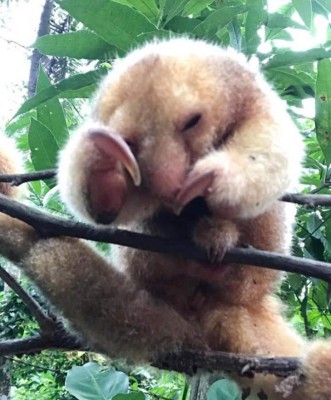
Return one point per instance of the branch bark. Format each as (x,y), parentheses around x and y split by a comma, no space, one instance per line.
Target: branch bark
(186,361)
(48,225)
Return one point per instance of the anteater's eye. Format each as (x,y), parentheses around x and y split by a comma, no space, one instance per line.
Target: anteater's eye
(191,122)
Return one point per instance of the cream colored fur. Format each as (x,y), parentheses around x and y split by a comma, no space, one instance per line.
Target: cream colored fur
(149,303)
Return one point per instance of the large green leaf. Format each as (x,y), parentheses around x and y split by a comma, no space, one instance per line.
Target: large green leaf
(43,146)
(297,57)
(75,84)
(256,17)
(146,7)
(277,20)
(217,20)
(51,113)
(182,24)
(323,107)
(171,8)
(80,44)
(115,23)
(95,382)
(287,77)
(326,4)
(304,9)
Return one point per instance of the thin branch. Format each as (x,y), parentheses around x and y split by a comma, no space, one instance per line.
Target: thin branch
(48,225)
(45,322)
(308,200)
(18,179)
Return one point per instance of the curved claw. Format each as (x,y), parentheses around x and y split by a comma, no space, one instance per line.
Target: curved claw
(195,186)
(113,145)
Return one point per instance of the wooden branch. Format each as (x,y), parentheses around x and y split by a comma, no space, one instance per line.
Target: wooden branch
(187,361)
(18,179)
(48,225)
(45,322)
(308,200)
(190,361)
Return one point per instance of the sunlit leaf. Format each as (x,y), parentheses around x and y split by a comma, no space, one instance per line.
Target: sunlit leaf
(75,84)
(217,20)
(79,44)
(304,9)
(147,7)
(288,57)
(43,146)
(256,17)
(115,23)
(95,382)
(51,113)
(195,6)
(323,107)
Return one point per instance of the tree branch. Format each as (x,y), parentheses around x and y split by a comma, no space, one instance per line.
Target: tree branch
(308,200)
(48,225)
(45,322)
(18,179)
(187,361)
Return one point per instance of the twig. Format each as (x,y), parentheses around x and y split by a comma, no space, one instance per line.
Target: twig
(46,323)
(18,179)
(49,225)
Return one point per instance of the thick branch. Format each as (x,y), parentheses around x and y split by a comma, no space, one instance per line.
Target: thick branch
(49,225)
(35,344)
(184,361)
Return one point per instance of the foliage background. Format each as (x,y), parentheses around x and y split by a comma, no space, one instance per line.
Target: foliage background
(96,33)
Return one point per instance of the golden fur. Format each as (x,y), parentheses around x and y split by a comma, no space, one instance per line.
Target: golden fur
(201,122)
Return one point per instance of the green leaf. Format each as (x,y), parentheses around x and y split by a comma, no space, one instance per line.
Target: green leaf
(326,4)
(323,107)
(195,6)
(95,382)
(130,396)
(291,81)
(277,20)
(146,7)
(256,17)
(171,8)
(304,9)
(51,113)
(80,44)
(75,84)
(217,20)
(115,23)
(224,389)
(297,57)
(43,146)
(182,24)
